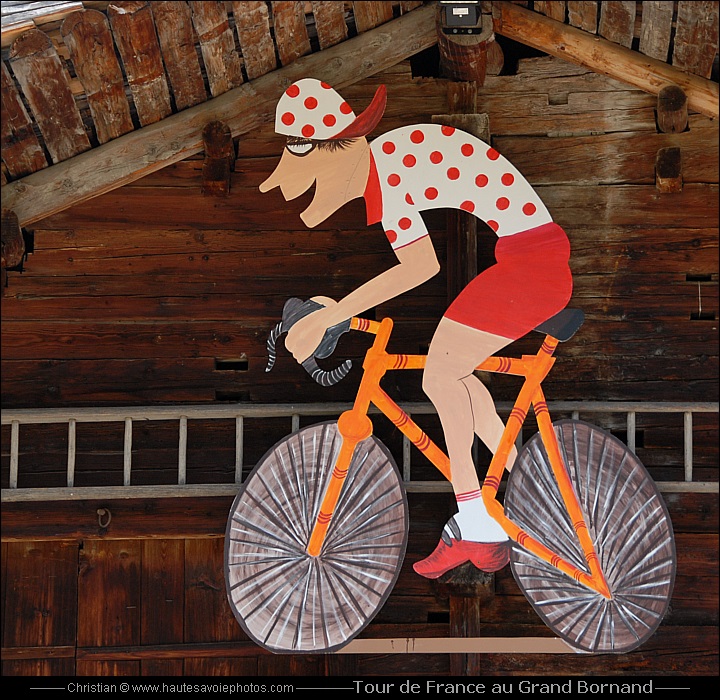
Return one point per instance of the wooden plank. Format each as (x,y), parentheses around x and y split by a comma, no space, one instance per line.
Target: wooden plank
(620,158)
(369,15)
(584,114)
(656,27)
(553,9)
(136,40)
(330,23)
(109,601)
(583,15)
(88,38)
(44,82)
(252,23)
(602,56)
(179,518)
(21,150)
(617,22)
(162,600)
(150,518)
(173,22)
(696,37)
(291,35)
(127,159)
(222,63)
(41,598)
(208,617)
(625,205)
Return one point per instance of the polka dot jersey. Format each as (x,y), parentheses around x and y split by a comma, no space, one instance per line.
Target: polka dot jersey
(429,166)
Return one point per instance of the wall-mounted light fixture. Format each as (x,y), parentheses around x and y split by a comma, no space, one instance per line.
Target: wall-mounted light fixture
(460,17)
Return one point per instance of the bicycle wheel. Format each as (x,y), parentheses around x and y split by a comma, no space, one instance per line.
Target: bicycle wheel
(628,523)
(285,599)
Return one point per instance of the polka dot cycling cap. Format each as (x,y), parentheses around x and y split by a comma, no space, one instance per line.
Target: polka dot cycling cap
(311,109)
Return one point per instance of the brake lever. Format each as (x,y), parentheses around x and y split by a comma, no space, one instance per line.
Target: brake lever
(293,311)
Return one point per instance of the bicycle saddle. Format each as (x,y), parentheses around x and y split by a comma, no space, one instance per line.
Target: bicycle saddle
(293,311)
(563,325)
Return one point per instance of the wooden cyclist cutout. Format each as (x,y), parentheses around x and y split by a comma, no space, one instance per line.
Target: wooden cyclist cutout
(401,174)
(316,536)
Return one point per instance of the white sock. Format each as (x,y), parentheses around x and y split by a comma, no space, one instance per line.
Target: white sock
(475,523)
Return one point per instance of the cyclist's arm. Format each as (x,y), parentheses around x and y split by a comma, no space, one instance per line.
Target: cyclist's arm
(417,263)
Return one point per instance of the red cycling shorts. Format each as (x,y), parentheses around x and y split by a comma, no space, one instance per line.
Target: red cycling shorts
(530,283)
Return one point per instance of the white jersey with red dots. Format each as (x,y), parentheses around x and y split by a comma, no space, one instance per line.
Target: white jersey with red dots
(429,166)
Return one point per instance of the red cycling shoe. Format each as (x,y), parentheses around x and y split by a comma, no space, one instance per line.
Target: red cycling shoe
(452,552)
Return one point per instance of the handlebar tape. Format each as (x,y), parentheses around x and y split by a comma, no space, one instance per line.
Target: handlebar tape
(293,311)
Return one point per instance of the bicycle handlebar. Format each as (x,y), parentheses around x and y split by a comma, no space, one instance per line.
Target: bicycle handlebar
(293,311)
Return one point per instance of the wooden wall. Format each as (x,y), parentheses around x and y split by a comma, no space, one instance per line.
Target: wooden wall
(140,295)
(154,293)
(147,598)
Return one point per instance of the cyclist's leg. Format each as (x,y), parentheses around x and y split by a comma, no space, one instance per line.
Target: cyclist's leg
(463,409)
(489,427)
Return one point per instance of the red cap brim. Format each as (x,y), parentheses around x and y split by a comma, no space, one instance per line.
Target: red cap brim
(369,119)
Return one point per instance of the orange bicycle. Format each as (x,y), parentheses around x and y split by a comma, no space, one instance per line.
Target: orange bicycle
(317,534)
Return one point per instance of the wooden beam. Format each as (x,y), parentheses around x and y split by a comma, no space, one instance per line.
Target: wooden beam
(602,56)
(219,159)
(464,56)
(672,116)
(244,108)
(12,244)
(668,170)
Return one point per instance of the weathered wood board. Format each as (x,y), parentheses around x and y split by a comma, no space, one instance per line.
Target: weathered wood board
(137,42)
(173,22)
(89,40)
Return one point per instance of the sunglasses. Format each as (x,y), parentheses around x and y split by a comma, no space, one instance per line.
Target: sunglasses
(300,147)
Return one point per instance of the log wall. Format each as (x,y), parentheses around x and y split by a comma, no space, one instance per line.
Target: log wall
(145,294)
(148,598)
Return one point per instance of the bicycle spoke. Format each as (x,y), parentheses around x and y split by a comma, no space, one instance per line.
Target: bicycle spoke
(285,599)
(629,527)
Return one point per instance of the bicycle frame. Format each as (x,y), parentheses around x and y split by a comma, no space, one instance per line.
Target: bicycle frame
(354,425)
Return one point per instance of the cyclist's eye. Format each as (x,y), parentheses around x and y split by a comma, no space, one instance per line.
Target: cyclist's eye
(300,148)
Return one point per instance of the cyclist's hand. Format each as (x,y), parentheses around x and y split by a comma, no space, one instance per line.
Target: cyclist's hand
(307,333)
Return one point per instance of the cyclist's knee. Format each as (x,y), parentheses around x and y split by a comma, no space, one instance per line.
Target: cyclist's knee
(437,384)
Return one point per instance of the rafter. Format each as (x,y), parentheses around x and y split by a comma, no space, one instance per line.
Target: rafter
(602,56)
(134,155)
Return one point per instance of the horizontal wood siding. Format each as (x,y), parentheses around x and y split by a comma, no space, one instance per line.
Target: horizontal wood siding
(157,605)
(139,295)
(145,288)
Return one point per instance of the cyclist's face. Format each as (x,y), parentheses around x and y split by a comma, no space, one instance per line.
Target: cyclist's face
(331,170)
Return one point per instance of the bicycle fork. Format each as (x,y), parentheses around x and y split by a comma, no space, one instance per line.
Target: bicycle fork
(354,426)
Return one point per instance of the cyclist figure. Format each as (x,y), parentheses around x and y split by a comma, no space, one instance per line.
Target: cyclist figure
(402,173)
